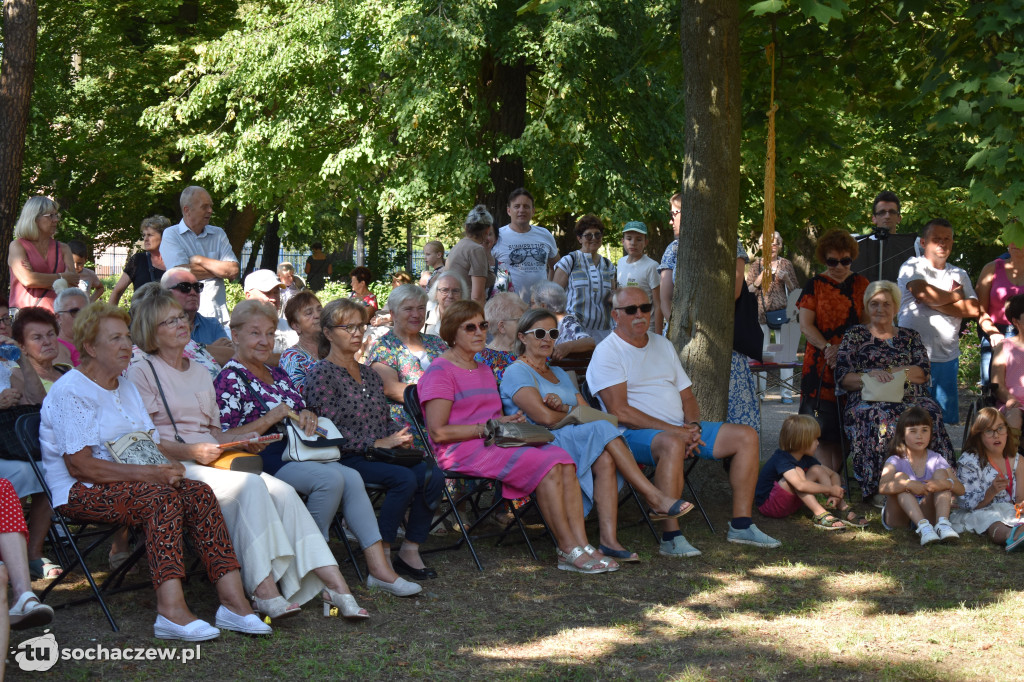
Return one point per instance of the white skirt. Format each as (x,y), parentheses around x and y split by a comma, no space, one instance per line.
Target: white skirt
(271,530)
(979,520)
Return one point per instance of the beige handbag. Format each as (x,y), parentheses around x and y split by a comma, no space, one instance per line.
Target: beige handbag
(875,391)
(136,447)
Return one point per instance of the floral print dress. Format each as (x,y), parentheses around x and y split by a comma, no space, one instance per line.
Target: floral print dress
(870,426)
(391,351)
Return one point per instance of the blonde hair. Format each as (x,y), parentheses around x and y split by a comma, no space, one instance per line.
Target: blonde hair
(146,314)
(87,323)
(26,227)
(250,308)
(888,287)
(798,433)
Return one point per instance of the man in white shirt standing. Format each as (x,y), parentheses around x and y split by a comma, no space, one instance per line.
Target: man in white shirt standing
(528,251)
(203,249)
(936,296)
(639,379)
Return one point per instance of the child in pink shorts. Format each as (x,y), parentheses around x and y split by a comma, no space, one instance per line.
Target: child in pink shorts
(792,477)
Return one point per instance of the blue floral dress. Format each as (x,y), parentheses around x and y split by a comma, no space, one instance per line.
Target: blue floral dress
(744,406)
(870,426)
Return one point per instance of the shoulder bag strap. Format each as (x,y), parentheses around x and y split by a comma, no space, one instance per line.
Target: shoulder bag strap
(252,390)
(167,408)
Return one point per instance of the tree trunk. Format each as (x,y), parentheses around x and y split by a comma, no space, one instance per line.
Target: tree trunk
(271,244)
(360,253)
(502,90)
(16,74)
(702,311)
(239,226)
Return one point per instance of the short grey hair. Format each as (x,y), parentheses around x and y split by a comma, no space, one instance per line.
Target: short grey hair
(504,306)
(403,293)
(157,223)
(618,293)
(70,292)
(549,296)
(26,227)
(187,194)
(463,285)
(285,266)
(478,220)
(169,275)
(888,287)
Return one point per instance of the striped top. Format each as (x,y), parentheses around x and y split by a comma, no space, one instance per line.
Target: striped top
(587,287)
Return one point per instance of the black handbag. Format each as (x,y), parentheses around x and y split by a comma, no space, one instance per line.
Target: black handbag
(403,457)
(9,449)
(747,336)
(776,318)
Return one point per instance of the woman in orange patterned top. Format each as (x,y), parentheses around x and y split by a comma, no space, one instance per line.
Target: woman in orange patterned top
(831,303)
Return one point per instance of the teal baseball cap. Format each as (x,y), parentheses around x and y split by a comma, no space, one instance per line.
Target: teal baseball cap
(634,226)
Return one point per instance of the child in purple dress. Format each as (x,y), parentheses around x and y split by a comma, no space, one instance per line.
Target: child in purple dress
(919,484)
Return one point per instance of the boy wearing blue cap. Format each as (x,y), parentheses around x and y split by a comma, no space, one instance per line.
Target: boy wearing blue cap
(637,269)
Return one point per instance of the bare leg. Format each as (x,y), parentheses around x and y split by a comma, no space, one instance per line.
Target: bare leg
(410,554)
(5,624)
(574,503)
(626,465)
(998,532)
(377,563)
(829,454)
(669,453)
(232,594)
(170,602)
(606,500)
(941,501)
(15,557)
(809,500)
(551,499)
(908,503)
(267,589)
(741,443)
(332,578)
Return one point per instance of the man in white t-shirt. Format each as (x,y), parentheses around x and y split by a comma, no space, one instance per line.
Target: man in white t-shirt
(637,269)
(639,379)
(528,251)
(936,296)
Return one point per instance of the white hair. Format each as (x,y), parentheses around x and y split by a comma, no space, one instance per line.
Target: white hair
(169,275)
(65,294)
(549,296)
(463,285)
(618,294)
(187,194)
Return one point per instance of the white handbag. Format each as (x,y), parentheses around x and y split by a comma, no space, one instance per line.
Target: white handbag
(315,448)
(875,391)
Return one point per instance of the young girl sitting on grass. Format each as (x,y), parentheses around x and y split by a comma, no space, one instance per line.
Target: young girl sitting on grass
(918,483)
(792,477)
(990,469)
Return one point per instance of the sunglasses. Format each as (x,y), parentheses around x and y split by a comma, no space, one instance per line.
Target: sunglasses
(539,333)
(631,309)
(185,287)
(833,262)
(471,328)
(592,236)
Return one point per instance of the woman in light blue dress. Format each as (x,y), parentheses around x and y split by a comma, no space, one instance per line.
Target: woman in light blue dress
(545,394)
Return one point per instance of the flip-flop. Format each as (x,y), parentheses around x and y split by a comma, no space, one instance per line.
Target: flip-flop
(621,555)
(1015,539)
(678,509)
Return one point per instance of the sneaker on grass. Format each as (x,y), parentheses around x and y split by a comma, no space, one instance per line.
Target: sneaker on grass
(751,536)
(678,547)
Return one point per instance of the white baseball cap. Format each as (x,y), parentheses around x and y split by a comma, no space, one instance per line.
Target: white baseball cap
(262,280)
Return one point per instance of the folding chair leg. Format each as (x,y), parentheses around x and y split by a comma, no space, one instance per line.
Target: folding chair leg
(700,507)
(643,512)
(340,531)
(79,560)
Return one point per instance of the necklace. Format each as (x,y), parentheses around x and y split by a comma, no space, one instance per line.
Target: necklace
(541,369)
(456,359)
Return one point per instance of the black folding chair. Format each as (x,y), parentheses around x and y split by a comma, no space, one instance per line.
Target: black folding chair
(479,487)
(64,543)
(376,492)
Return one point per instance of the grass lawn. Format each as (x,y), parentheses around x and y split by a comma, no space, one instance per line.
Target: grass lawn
(858,605)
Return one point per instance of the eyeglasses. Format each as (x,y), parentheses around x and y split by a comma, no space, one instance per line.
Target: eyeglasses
(185,287)
(998,431)
(833,262)
(6,319)
(444,291)
(471,327)
(50,216)
(674,212)
(174,321)
(631,309)
(352,329)
(887,211)
(70,311)
(592,236)
(539,333)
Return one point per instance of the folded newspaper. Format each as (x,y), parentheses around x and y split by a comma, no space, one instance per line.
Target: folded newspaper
(584,414)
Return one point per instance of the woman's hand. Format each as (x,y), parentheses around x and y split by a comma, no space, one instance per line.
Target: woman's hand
(278,414)
(307,422)
(516,418)
(402,439)
(9,398)
(167,474)
(880,375)
(831,353)
(204,453)
(252,446)
(553,402)
(999,485)
(934,486)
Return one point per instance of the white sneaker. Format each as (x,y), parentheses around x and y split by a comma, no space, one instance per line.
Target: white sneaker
(927,533)
(945,530)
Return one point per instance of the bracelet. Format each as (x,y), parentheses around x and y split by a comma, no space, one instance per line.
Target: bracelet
(480,431)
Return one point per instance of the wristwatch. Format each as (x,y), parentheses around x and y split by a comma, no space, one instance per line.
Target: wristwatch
(696,425)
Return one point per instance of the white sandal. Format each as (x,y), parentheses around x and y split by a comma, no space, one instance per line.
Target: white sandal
(29,612)
(346,605)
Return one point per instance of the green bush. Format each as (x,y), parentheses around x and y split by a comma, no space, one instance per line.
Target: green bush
(970,357)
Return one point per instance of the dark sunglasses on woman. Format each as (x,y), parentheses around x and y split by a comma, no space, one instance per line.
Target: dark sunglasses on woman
(832,262)
(539,333)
